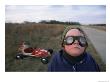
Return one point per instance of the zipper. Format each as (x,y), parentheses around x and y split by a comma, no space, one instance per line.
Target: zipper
(74,66)
(74,69)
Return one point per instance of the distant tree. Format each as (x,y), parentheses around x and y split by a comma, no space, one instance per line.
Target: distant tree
(28,22)
(97,24)
(59,22)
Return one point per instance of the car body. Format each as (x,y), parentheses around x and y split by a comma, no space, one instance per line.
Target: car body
(25,50)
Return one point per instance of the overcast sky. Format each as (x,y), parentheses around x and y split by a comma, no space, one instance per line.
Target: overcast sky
(85,14)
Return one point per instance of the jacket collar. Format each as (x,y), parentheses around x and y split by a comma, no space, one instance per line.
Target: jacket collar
(73,60)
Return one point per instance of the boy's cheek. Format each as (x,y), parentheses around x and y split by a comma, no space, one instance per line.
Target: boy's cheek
(72,50)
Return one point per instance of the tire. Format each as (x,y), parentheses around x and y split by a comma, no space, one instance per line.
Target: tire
(19,56)
(44,60)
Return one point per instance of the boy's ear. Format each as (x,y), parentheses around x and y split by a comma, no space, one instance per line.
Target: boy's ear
(62,45)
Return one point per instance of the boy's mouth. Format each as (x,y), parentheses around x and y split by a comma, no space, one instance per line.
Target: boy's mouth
(77,47)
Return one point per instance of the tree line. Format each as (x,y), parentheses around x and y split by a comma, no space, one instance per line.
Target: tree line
(59,22)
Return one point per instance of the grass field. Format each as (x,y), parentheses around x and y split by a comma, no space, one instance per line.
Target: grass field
(103,28)
(39,35)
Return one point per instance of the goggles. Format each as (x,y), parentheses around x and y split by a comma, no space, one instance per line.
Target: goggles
(69,40)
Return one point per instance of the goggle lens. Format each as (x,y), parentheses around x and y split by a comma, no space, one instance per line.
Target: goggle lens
(71,39)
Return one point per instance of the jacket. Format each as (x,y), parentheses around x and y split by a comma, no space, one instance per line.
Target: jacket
(58,63)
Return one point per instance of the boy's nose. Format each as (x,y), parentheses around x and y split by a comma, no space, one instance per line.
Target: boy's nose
(76,42)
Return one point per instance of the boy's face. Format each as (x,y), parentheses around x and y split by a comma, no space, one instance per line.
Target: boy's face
(74,49)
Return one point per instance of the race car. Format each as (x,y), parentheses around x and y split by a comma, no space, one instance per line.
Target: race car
(25,50)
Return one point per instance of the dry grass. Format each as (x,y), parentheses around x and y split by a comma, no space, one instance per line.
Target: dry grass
(39,35)
(102,28)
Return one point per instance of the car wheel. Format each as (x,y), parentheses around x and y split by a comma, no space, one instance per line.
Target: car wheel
(44,60)
(19,56)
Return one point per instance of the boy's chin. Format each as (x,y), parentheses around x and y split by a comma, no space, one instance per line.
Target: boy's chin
(75,54)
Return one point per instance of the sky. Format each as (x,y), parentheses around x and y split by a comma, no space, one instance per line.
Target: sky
(85,14)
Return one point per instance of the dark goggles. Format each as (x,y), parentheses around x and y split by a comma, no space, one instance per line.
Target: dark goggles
(69,40)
